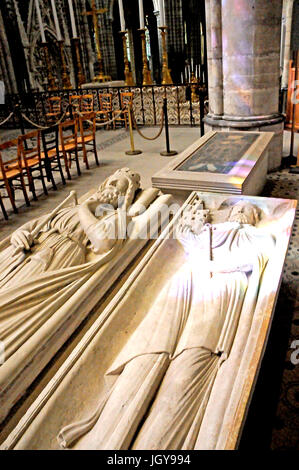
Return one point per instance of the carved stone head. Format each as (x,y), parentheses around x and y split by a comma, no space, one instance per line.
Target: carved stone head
(119,189)
(245,213)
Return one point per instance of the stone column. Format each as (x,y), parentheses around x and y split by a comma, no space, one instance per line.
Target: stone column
(287,42)
(243,63)
(214,59)
(6,62)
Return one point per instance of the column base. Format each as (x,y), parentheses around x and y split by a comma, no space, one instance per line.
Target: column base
(272,123)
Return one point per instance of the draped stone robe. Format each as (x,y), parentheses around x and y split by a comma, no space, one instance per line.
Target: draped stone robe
(33,285)
(175,352)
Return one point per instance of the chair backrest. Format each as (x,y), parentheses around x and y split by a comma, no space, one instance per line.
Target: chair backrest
(75,102)
(68,131)
(87,103)
(87,124)
(105,101)
(55,104)
(50,139)
(32,149)
(6,160)
(126,98)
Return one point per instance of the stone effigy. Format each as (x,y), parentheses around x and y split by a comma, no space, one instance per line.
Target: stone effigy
(194,318)
(51,262)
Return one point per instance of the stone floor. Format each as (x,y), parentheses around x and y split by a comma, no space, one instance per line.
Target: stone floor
(272,421)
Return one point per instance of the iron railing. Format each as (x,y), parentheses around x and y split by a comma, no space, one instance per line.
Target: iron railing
(147,104)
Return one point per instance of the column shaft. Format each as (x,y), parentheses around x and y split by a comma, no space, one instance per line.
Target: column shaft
(243,39)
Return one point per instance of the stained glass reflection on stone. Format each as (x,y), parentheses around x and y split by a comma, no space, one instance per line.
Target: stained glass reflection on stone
(220,153)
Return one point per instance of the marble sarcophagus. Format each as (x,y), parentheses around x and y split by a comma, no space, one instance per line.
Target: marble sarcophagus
(172,361)
(54,270)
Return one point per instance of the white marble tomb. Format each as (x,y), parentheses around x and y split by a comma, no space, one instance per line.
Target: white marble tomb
(54,270)
(186,333)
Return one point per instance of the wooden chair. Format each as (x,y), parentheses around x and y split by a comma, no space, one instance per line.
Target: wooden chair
(75,103)
(11,173)
(289,107)
(54,109)
(29,150)
(87,102)
(105,104)
(52,153)
(68,134)
(87,127)
(126,98)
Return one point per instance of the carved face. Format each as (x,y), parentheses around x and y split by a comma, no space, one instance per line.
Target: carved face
(114,189)
(244,213)
(122,185)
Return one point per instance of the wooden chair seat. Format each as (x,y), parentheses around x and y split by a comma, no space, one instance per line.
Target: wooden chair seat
(30,162)
(105,113)
(86,104)
(84,113)
(105,108)
(104,116)
(68,147)
(10,173)
(87,138)
(51,154)
(68,131)
(87,126)
(125,111)
(126,99)
(54,104)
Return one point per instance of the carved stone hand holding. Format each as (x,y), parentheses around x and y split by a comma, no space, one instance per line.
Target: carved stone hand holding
(22,239)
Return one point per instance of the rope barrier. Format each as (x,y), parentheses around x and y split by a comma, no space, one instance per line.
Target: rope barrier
(105,123)
(7,119)
(44,127)
(62,118)
(102,123)
(144,136)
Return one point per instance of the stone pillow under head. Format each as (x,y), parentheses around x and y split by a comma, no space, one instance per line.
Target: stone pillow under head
(143,200)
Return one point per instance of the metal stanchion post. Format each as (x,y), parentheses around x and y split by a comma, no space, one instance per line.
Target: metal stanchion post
(21,122)
(168,152)
(132,151)
(201,111)
(292,160)
(20,119)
